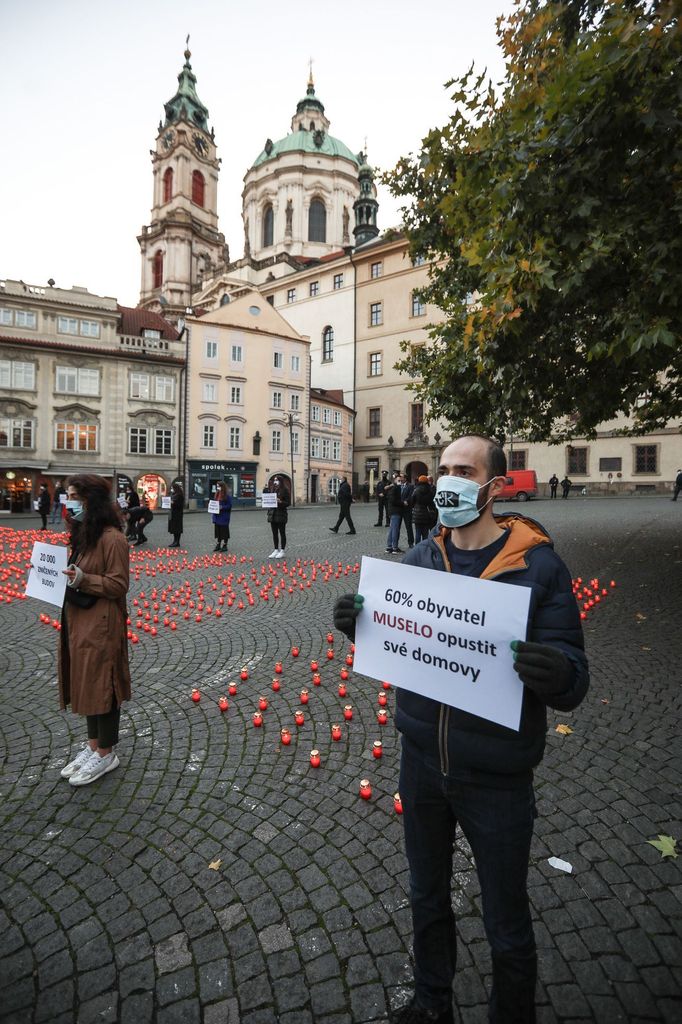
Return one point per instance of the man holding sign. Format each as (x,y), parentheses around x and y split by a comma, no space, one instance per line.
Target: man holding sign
(466,768)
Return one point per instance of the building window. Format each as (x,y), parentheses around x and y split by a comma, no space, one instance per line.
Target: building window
(198,188)
(147,332)
(235,395)
(291,295)
(518,459)
(314,447)
(376,269)
(211,349)
(209,391)
(164,389)
(235,437)
(333,486)
(25,318)
(326,415)
(71,380)
(337,418)
(338,282)
(6,317)
(327,344)
(208,436)
(76,437)
(315,413)
(14,373)
(418,307)
(16,433)
(610,465)
(314,288)
(67,325)
(375,361)
(137,440)
(374,423)
(375,314)
(236,354)
(295,442)
(268,225)
(139,385)
(326,448)
(168,185)
(89,328)
(295,403)
(295,364)
(157,269)
(278,360)
(317,222)
(646,458)
(163,442)
(336,451)
(416,417)
(577,461)
(276,441)
(276,399)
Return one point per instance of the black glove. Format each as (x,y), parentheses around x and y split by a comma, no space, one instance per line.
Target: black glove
(544,670)
(346,611)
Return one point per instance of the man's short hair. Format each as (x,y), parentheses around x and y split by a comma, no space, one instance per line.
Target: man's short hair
(496,459)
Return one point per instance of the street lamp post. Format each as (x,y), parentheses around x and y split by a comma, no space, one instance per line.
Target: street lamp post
(290,421)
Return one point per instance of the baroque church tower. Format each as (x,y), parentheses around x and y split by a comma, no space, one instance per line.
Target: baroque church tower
(182,244)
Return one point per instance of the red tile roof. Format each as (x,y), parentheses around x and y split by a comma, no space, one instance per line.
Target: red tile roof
(134,320)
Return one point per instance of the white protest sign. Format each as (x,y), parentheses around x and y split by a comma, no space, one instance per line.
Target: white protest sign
(270,500)
(214,507)
(444,636)
(63,499)
(166,502)
(122,501)
(46,579)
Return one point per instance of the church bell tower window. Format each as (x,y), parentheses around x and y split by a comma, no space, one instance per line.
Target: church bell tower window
(317,222)
(157,269)
(198,188)
(268,226)
(168,185)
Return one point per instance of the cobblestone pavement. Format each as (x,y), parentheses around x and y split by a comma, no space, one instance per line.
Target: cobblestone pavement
(111,911)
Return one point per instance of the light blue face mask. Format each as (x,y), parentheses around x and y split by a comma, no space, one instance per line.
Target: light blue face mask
(456,500)
(75,508)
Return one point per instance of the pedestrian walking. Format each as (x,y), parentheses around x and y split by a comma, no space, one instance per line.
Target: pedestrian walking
(221,519)
(56,502)
(678,484)
(423,509)
(278,517)
(345,500)
(566,485)
(460,769)
(43,505)
(94,676)
(394,511)
(381,498)
(553,484)
(176,514)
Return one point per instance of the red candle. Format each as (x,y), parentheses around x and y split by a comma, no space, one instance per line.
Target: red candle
(257,719)
(344,673)
(262,703)
(278,668)
(382,699)
(349,659)
(317,679)
(365,789)
(304,696)
(386,686)
(376,749)
(295,652)
(244,674)
(276,685)
(314,758)
(285,737)
(232,689)
(342,689)
(348,712)
(330,638)
(222,704)
(330,654)
(314,666)
(299,717)
(336,732)
(397,804)
(382,717)
(196,696)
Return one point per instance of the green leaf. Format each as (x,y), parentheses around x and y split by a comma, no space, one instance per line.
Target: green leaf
(666,845)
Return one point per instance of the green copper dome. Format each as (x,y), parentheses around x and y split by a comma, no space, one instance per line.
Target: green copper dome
(186,105)
(305,142)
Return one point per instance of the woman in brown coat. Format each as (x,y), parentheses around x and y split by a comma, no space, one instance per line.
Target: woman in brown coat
(94,676)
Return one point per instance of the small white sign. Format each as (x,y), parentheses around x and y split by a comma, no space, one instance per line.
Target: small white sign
(270,500)
(122,501)
(46,579)
(62,499)
(36,506)
(444,636)
(166,502)
(214,507)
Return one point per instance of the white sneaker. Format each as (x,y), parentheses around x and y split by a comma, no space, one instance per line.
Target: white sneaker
(274,554)
(280,554)
(94,768)
(78,762)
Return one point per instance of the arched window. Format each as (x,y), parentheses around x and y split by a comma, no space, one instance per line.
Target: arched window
(317,222)
(327,344)
(268,224)
(168,185)
(198,188)
(157,269)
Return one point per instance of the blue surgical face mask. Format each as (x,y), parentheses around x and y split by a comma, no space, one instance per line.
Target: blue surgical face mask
(457,500)
(75,508)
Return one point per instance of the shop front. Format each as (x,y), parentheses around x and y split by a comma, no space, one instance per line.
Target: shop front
(240,478)
(17,487)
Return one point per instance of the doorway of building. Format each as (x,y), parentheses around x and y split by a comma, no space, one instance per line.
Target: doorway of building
(414,470)
(313,490)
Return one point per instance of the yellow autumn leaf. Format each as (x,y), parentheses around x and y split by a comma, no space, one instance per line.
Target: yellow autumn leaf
(564,730)
(215,864)
(525,265)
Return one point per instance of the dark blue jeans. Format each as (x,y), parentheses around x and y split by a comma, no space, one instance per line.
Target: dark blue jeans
(498,824)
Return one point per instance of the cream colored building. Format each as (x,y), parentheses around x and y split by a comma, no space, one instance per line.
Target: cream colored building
(248,401)
(85,386)
(331,443)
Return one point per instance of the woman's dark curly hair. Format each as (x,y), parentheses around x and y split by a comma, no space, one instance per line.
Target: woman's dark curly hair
(100,510)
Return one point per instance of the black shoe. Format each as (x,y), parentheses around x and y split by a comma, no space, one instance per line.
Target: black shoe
(414,1014)
(378,524)
(224,547)
(351,532)
(397,551)
(333,529)
(140,540)
(389,551)
(217,547)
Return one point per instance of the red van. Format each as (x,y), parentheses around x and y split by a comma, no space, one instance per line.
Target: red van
(522,484)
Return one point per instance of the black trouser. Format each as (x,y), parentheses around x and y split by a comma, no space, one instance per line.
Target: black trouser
(279,535)
(104,728)
(552,490)
(344,513)
(381,509)
(222,534)
(421,531)
(43,516)
(407,519)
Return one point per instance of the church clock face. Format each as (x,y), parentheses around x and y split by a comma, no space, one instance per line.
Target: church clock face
(200,144)
(168,140)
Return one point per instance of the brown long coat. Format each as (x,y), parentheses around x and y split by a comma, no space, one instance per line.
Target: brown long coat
(93,651)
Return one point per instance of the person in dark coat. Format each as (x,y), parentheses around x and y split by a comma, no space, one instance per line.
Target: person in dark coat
(141,517)
(345,500)
(132,504)
(423,508)
(553,484)
(221,520)
(406,492)
(462,770)
(56,502)
(678,484)
(381,499)
(394,512)
(44,505)
(175,517)
(278,518)
(566,485)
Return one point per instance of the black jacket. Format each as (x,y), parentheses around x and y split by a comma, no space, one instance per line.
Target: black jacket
(44,502)
(423,508)
(345,495)
(394,501)
(473,748)
(176,515)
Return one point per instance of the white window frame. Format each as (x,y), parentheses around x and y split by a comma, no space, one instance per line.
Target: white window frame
(237,354)
(139,387)
(295,442)
(89,329)
(85,380)
(163,434)
(25,318)
(315,413)
(376,270)
(295,402)
(17,373)
(326,448)
(276,400)
(67,325)
(209,391)
(337,282)
(326,414)
(278,360)
(211,349)
(337,418)
(336,451)
(10,424)
(234,438)
(138,441)
(295,364)
(314,447)
(208,435)
(276,441)
(66,426)
(164,388)
(235,394)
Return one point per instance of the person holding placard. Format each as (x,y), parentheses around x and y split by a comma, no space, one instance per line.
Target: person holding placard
(94,675)
(461,769)
(221,519)
(176,515)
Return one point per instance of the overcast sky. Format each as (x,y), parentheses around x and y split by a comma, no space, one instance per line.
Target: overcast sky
(84,82)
